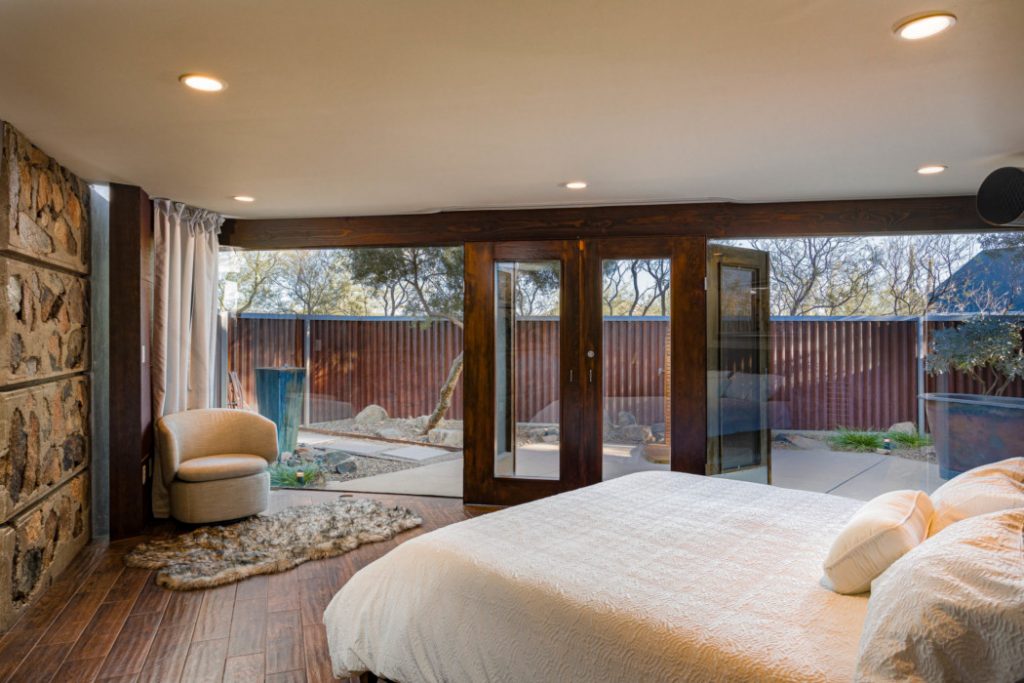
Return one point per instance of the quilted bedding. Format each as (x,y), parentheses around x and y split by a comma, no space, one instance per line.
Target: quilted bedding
(656,576)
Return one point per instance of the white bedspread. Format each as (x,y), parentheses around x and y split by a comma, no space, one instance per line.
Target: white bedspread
(656,576)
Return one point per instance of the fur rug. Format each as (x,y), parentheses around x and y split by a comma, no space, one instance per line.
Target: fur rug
(213,556)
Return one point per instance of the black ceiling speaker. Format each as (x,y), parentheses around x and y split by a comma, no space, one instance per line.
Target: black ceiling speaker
(1001,198)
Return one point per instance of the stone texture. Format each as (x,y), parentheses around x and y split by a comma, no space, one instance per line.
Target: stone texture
(43,326)
(39,544)
(44,440)
(44,208)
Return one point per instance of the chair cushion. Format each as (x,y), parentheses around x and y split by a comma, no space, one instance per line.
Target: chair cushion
(227,466)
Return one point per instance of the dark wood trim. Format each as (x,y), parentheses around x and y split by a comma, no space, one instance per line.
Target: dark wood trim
(131,277)
(689,355)
(718,219)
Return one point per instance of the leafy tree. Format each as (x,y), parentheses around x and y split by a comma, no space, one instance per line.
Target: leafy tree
(316,282)
(976,344)
(254,281)
(431,280)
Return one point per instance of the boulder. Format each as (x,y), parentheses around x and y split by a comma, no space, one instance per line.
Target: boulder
(626,418)
(637,433)
(371,415)
(904,428)
(445,437)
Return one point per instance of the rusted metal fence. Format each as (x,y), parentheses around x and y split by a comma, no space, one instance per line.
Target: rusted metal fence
(861,373)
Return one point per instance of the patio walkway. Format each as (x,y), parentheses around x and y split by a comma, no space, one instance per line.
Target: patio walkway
(854,475)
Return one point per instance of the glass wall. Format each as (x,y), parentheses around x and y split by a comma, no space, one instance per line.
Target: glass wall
(856,366)
(377,334)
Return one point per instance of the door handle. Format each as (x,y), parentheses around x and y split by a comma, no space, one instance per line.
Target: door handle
(590,374)
(570,376)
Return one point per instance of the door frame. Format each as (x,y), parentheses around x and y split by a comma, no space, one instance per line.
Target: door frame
(480,485)
(688,355)
(581,400)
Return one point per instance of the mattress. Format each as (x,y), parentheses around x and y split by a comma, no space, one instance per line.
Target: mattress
(655,576)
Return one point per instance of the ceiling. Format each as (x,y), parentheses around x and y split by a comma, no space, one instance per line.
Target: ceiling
(351,107)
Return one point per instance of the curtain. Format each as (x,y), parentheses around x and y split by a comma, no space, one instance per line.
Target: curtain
(184,317)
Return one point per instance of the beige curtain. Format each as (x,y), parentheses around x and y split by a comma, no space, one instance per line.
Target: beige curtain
(184,317)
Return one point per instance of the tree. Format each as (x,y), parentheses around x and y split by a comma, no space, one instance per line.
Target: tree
(315,282)
(432,280)
(636,286)
(912,266)
(1003,240)
(253,274)
(820,275)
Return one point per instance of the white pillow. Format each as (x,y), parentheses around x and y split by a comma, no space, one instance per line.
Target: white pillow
(951,609)
(984,489)
(879,534)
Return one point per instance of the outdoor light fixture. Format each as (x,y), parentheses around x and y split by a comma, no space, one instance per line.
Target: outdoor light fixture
(931,169)
(202,82)
(924,25)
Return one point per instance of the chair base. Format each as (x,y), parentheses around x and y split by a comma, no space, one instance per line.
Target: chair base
(220,500)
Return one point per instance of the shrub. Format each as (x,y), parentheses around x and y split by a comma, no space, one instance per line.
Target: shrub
(904,440)
(979,343)
(284,476)
(856,440)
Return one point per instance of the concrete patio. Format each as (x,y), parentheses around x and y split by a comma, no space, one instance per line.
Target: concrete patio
(854,475)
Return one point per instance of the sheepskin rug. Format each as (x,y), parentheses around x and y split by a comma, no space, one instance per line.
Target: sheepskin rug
(213,556)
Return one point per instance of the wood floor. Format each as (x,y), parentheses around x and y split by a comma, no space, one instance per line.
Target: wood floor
(102,621)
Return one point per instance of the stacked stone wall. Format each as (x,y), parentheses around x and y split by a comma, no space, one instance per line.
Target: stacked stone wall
(44,357)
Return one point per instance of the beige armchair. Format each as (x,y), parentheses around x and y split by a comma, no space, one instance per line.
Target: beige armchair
(214,463)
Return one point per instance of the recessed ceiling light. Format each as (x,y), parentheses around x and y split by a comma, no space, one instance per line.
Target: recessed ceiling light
(575,185)
(924,25)
(931,169)
(243,198)
(202,82)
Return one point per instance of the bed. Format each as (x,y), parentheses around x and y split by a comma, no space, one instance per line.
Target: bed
(657,576)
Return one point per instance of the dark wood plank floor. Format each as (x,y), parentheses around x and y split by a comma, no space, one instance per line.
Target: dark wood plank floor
(102,621)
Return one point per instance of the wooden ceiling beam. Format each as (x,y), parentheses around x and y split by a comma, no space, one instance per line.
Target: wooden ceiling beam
(724,219)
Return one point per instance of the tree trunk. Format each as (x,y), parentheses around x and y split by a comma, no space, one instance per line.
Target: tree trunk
(444,399)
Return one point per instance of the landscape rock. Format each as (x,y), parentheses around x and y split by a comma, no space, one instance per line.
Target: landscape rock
(371,415)
(445,437)
(636,433)
(904,428)
(626,418)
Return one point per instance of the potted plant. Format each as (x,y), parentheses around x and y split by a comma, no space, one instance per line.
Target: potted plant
(975,429)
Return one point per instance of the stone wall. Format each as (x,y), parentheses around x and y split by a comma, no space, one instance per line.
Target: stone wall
(44,355)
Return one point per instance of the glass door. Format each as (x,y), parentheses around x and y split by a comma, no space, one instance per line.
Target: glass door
(738,379)
(570,347)
(523,371)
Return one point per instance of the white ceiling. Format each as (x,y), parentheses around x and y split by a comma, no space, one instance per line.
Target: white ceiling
(347,107)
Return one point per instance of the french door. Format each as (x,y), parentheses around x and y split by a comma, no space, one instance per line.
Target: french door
(570,349)
(739,385)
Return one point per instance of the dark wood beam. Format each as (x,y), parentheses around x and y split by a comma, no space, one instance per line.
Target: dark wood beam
(785,219)
(131,290)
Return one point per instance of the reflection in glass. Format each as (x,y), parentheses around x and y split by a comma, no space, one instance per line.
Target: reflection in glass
(526,346)
(635,330)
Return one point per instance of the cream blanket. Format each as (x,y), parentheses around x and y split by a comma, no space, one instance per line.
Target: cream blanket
(656,576)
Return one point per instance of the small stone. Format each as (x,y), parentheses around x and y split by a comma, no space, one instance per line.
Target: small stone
(346,466)
(371,414)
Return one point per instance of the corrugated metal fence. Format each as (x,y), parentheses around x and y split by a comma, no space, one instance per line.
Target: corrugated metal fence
(826,372)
